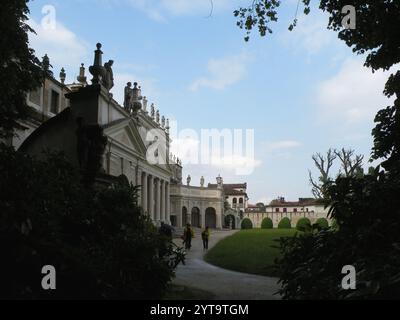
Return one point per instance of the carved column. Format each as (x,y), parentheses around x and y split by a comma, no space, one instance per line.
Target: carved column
(158,200)
(167,203)
(144,193)
(151,198)
(162,200)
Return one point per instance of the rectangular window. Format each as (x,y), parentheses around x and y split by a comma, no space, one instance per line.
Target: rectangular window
(276,209)
(54,102)
(284,210)
(295,210)
(34,96)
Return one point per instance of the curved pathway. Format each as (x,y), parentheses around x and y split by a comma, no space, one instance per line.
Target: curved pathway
(224,284)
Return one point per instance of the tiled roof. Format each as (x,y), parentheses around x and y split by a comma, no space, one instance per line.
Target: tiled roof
(305,202)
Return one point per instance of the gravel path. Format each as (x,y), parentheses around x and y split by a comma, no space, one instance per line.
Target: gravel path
(224,284)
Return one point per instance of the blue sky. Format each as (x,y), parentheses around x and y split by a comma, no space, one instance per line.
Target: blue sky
(301,92)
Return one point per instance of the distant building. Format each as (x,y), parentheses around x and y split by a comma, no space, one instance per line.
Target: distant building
(294,210)
(61,119)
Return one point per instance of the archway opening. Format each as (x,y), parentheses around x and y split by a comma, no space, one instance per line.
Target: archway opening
(211,218)
(196,218)
(184,216)
(230,221)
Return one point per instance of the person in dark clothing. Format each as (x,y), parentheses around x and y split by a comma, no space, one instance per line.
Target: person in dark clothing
(188,234)
(205,235)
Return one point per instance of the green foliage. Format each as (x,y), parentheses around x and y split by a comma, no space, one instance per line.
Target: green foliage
(366,208)
(322,223)
(19,68)
(267,224)
(285,223)
(246,224)
(99,243)
(303,224)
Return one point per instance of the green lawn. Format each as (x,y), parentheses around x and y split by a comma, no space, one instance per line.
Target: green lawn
(248,251)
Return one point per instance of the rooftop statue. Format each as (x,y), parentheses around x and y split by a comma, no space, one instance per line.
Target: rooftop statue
(153,111)
(158,116)
(128,96)
(108,77)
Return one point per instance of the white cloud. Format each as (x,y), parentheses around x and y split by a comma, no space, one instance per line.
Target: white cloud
(222,73)
(282,145)
(310,34)
(353,95)
(160,10)
(64,48)
(243,165)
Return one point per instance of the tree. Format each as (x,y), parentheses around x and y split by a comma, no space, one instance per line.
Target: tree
(376,34)
(323,165)
(364,207)
(19,68)
(350,165)
(97,239)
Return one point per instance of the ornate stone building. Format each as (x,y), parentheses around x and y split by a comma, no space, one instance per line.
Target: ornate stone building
(137,143)
(294,210)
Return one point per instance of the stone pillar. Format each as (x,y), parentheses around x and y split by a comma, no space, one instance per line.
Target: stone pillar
(202,216)
(219,218)
(158,200)
(179,214)
(144,193)
(151,198)
(167,203)
(162,201)
(138,182)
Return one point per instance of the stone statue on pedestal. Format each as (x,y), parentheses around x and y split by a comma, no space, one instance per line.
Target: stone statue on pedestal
(188,180)
(153,111)
(128,96)
(202,182)
(108,77)
(163,122)
(158,116)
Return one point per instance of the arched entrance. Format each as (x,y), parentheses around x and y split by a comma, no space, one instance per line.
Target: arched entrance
(230,221)
(196,217)
(184,216)
(211,218)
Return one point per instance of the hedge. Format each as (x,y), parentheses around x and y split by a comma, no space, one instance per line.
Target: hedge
(285,224)
(267,223)
(323,223)
(302,224)
(247,224)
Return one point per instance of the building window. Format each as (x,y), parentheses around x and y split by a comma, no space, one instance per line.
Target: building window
(54,102)
(241,200)
(284,210)
(276,209)
(295,210)
(34,96)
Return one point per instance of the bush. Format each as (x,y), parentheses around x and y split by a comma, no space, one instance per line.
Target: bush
(267,223)
(96,238)
(285,224)
(322,223)
(303,224)
(246,224)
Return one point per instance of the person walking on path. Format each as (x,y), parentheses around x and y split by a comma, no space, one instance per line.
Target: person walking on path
(188,234)
(205,235)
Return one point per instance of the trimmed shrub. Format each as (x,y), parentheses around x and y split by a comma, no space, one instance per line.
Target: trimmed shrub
(267,223)
(323,223)
(334,225)
(247,224)
(303,224)
(285,224)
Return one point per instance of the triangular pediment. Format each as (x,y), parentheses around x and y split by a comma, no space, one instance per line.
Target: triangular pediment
(126,135)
